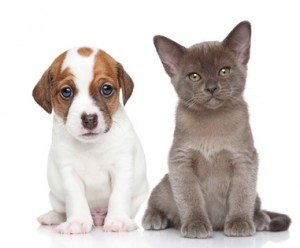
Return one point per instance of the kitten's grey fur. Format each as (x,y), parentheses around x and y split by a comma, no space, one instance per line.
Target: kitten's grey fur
(213,163)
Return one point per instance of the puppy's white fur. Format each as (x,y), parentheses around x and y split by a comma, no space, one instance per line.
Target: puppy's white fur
(93,174)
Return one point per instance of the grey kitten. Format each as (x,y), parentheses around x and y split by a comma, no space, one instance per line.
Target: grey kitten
(213,163)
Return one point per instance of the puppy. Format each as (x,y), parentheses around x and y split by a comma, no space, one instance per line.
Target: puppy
(96,165)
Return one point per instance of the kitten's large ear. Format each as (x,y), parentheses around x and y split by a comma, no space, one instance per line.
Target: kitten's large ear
(170,53)
(239,40)
(41,92)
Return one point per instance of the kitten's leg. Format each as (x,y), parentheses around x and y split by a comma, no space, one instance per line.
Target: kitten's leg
(161,211)
(269,221)
(279,222)
(188,195)
(261,219)
(242,195)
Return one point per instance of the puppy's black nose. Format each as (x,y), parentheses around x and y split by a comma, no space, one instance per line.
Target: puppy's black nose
(89,121)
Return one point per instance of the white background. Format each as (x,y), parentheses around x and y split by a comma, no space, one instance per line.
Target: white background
(33,33)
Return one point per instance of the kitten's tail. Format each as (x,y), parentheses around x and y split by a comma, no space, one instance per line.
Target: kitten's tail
(278,222)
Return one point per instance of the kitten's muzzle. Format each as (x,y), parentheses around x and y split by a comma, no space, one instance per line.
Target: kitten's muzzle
(211,88)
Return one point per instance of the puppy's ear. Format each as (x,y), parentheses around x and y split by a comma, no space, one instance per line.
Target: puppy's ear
(238,41)
(125,83)
(170,53)
(41,92)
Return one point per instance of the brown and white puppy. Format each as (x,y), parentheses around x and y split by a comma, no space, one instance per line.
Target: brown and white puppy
(96,165)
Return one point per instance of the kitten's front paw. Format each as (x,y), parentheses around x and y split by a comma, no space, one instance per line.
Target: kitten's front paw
(75,226)
(197,230)
(153,220)
(119,225)
(239,228)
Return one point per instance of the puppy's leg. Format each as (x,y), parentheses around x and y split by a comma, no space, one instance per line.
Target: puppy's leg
(118,217)
(136,202)
(56,216)
(79,219)
(51,218)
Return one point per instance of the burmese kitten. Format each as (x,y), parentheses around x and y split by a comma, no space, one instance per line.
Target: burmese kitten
(213,163)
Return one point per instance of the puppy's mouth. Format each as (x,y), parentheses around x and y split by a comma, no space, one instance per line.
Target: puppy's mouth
(90,134)
(93,134)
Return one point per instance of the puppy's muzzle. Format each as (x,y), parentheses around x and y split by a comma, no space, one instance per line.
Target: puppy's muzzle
(89,121)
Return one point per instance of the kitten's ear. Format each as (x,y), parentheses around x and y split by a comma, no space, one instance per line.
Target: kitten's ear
(170,53)
(238,41)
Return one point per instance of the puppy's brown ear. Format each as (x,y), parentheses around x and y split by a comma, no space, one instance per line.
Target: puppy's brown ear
(125,83)
(41,92)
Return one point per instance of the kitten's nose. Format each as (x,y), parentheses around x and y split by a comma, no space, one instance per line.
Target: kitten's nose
(211,88)
(89,121)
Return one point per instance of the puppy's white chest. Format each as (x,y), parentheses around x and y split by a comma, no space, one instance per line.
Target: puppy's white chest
(95,175)
(92,173)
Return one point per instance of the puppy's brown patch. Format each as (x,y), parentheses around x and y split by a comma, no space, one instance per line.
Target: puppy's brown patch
(85,51)
(105,72)
(60,104)
(61,79)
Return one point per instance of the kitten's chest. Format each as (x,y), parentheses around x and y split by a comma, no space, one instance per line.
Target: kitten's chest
(211,139)
(211,134)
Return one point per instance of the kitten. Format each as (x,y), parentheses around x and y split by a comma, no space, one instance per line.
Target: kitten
(213,163)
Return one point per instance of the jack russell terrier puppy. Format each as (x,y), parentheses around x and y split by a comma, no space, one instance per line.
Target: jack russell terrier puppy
(96,164)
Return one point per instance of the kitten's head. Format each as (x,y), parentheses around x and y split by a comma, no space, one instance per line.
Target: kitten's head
(209,74)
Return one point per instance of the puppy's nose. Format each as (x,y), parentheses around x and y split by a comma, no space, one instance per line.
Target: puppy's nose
(89,121)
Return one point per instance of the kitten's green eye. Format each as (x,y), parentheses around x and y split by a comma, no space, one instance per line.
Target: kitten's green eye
(224,72)
(194,77)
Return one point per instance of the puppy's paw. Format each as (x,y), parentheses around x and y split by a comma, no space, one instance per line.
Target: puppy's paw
(199,230)
(153,220)
(51,218)
(239,228)
(119,225)
(75,226)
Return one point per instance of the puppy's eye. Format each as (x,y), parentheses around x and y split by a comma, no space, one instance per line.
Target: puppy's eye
(106,90)
(194,77)
(224,72)
(66,93)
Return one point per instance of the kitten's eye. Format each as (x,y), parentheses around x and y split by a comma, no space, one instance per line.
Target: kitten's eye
(106,90)
(66,93)
(194,77)
(224,72)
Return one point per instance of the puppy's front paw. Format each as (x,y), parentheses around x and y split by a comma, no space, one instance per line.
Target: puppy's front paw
(239,228)
(198,230)
(75,226)
(119,225)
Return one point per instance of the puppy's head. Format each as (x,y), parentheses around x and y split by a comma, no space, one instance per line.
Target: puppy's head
(82,87)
